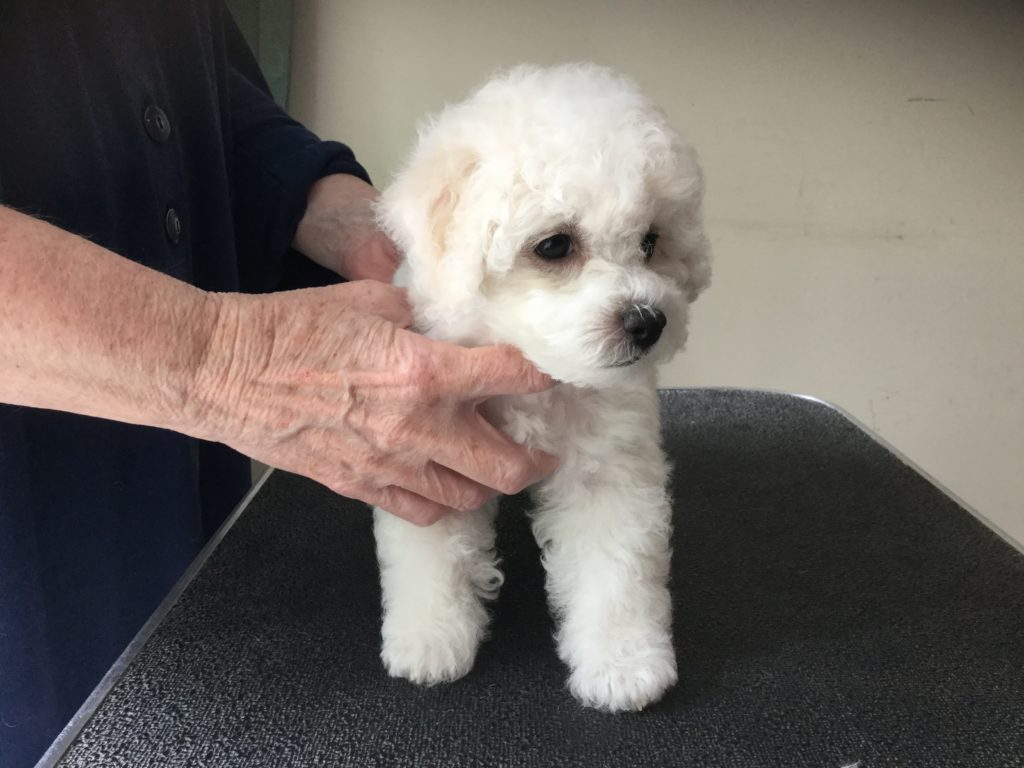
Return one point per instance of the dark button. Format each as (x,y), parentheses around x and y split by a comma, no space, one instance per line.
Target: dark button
(172,225)
(157,125)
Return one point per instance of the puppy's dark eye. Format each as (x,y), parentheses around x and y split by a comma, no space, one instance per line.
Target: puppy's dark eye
(647,246)
(554,248)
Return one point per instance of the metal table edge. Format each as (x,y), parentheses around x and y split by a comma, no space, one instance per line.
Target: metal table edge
(66,737)
(957,499)
(70,732)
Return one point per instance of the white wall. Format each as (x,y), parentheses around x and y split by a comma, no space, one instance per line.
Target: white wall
(865,166)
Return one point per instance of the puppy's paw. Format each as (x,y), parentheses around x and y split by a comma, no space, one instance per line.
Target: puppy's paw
(436,651)
(627,678)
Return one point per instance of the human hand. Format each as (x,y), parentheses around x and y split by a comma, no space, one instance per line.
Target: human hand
(328,383)
(339,230)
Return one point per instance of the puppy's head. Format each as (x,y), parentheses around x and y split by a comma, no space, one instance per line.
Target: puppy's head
(554,210)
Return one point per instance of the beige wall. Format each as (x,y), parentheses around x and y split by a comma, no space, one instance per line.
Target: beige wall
(865,167)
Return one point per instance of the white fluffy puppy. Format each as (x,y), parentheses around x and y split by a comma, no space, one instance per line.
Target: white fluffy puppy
(554,210)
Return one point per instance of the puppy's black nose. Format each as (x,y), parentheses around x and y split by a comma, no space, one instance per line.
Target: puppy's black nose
(644,324)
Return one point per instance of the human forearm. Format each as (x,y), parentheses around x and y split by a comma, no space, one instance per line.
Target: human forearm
(327,382)
(324,382)
(339,231)
(86,331)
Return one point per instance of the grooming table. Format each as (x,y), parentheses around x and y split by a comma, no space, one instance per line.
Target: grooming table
(833,608)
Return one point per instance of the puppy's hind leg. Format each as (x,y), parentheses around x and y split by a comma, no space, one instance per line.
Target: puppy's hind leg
(434,581)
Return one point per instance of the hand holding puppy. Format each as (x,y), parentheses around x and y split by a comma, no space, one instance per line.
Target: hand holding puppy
(328,383)
(325,382)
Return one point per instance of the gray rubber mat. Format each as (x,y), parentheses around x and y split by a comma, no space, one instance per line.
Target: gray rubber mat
(832,608)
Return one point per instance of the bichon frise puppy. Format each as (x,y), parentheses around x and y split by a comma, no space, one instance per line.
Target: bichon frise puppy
(556,211)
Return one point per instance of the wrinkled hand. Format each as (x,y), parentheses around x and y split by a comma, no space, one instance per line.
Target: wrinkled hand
(339,231)
(328,383)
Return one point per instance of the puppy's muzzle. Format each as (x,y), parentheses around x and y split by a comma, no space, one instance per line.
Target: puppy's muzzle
(643,324)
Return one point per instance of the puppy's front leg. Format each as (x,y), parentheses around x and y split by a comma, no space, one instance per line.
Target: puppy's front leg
(434,580)
(606,551)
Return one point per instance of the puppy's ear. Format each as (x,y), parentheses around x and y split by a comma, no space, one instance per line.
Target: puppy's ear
(689,240)
(695,254)
(423,212)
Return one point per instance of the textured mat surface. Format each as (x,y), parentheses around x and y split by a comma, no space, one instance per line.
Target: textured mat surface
(831,607)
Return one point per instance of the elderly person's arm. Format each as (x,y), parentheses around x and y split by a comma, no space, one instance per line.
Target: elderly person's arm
(325,382)
(338,230)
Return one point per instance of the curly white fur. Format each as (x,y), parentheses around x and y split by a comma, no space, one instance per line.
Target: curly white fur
(573,150)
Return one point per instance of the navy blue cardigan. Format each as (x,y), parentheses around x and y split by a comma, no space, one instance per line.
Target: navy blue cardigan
(146,127)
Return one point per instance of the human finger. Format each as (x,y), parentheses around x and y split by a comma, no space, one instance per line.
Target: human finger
(482,453)
(496,370)
(442,485)
(405,504)
(375,259)
(434,482)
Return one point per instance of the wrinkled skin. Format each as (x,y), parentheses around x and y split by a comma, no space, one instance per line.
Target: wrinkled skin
(335,387)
